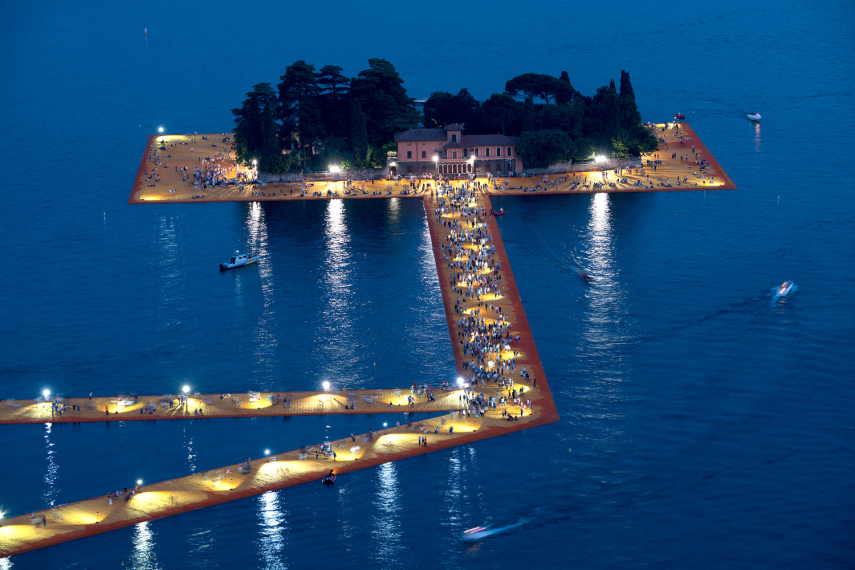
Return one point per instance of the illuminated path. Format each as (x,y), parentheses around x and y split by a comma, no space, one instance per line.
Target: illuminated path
(86,518)
(180,155)
(116,408)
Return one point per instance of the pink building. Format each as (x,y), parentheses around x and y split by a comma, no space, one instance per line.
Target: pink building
(447,151)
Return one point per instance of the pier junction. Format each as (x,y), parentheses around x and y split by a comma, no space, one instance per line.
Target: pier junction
(502,387)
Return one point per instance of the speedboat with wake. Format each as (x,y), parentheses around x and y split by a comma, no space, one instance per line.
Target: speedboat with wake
(754,117)
(785,289)
(237,260)
(476,533)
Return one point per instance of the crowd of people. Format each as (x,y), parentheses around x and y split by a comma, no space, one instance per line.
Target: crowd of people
(475,276)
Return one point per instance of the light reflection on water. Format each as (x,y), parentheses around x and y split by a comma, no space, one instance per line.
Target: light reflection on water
(51,490)
(387,524)
(272,534)
(144,557)
(265,331)
(605,294)
(757,137)
(191,455)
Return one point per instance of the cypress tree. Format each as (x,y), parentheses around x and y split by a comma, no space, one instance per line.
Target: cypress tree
(630,118)
(358,133)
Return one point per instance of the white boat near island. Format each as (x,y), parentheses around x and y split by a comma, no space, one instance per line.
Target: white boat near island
(754,116)
(237,260)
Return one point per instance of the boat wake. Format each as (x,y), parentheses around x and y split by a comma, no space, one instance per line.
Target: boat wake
(482,532)
(571,266)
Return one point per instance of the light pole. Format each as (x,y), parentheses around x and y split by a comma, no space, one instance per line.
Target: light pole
(436,165)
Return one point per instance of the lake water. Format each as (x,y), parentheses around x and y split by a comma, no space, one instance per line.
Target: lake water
(709,426)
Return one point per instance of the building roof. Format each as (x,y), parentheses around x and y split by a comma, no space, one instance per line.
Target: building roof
(453,145)
(421,135)
(487,140)
(453,127)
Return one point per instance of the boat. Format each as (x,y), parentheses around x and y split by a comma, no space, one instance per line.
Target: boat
(497,213)
(784,289)
(329,479)
(680,116)
(237,260)
(754,116)
(476,533)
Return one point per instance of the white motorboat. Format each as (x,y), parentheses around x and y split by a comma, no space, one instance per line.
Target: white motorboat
(754,116)
(237,260)
(784,289)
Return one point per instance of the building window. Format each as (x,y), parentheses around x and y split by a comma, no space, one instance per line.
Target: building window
(424,154)
(498,151)
(409,169)
(424,168)
(453,138)
(409,144)
(424,143)
(409,154)
(476,151)
(454,154)
(487,151)
(509,151)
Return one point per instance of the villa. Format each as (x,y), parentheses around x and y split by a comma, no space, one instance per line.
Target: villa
(447,151)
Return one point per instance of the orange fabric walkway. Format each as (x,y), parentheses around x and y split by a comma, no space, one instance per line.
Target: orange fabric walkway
(101,514)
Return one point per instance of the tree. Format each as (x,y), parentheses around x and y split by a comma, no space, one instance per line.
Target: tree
(540,85)
(605,110)
(528,116)
(443,108)
(256,129)
(333,88)
(436,109)
(629,115)
(565,95)
(358,133)
(500,110)
(543,148)
(384,101)
(299,97)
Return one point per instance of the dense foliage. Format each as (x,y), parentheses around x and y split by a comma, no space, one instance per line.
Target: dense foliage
(315,119)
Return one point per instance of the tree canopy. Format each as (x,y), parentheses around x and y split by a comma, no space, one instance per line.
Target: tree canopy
(356,118)
(256,129)
(299,98)
(541,86)
(384,101)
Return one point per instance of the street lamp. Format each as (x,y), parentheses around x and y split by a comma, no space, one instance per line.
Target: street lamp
(186,389)
(46,393)
(326,385)
(600,158)
(139,481)
(266,452)
(160,129)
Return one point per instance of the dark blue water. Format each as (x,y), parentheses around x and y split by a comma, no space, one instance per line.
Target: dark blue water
(709,426)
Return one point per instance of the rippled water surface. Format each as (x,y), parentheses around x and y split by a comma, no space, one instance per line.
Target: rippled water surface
(710,426)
